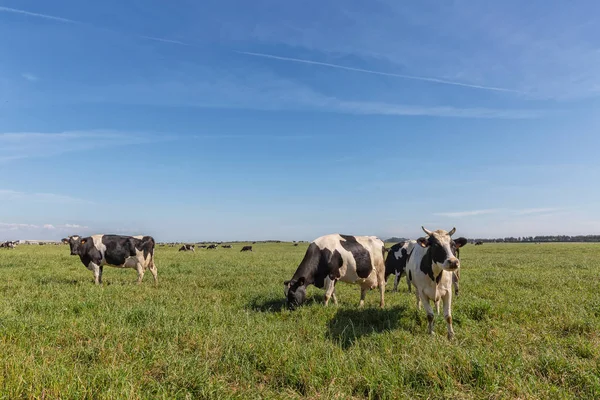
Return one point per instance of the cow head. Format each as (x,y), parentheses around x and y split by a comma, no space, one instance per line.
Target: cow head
(75,243)
(442,249)
(295,292)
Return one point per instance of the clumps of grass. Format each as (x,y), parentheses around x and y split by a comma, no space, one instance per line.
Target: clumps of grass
(479,311)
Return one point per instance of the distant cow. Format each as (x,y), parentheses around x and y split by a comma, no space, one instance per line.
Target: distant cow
(478,243)
(118,251)
(295,244)
(246,248)
(187,247)
(8,245)
(212,246)
(227,246)
(430,269)
(352,259)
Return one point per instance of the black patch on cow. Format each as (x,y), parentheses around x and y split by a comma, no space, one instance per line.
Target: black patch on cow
(426,265)
(439,278)
(436,251)
(118,248)
(409,275)
(88,252)
(360,254)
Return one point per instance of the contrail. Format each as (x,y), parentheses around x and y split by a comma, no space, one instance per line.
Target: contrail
(32,14)
(368,71)
(164,40)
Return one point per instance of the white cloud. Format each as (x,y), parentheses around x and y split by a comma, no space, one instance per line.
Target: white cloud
(49,226)
(29,77)
(460,214)
(528,211)
(18,145)
(13,195)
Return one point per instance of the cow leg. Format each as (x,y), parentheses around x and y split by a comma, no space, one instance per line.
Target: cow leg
(448,313)
(437,306)
(455,278)
(100,274)
(153,270)
(95,268)
(333,296)
(418,300)
(382,294)
(140,271)
(396,281)
(329,289)
(430,316)
(363,293)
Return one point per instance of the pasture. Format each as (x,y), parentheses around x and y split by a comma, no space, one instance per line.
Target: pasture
(527,326)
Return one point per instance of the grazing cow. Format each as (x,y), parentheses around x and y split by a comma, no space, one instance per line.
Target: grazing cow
(227,246)
(212,246)
(352,259)
(118,251)
(430,269)
(296,244)
(202,246)
(478,243)
(8,245)
(187,247)
(246,248)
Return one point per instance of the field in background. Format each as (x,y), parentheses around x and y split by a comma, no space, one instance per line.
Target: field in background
(527,326)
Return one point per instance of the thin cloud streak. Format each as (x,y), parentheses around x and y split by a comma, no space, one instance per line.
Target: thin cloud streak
(71,21)
(460,214)
(157,39)
(38,15)
(368,71)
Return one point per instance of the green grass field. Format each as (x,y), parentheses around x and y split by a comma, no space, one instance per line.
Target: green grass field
(527,326)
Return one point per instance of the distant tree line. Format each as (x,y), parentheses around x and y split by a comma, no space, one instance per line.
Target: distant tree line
(526,239)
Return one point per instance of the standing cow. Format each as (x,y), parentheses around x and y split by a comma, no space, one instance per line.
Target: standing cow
(96,251)
(352,259)
(187,247)
(395,262)
(246,248)
(430,269)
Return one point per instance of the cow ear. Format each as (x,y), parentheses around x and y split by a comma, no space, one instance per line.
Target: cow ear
(83,241)
(301,281)
(286,283)
(423,242)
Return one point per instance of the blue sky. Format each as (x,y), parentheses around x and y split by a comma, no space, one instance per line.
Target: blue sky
(230,120)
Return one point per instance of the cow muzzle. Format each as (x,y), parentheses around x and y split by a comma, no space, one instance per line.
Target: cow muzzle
(453,264)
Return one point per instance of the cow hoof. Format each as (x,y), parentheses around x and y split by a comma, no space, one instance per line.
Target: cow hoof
(450,336)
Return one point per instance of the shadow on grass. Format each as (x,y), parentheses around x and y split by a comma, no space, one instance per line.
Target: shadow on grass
(267,305)
(46,280)
(349,325)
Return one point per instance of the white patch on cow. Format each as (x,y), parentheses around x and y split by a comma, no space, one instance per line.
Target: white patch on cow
(100,246)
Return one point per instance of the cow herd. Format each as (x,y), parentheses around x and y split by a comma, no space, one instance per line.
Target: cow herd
(431,265)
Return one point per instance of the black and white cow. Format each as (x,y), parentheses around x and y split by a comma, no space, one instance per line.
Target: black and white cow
(246,248)
(460,242)
(187,247)
(352,259)
(96,251)
(395,262)
(430,269)
(227,246)
(212,247)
